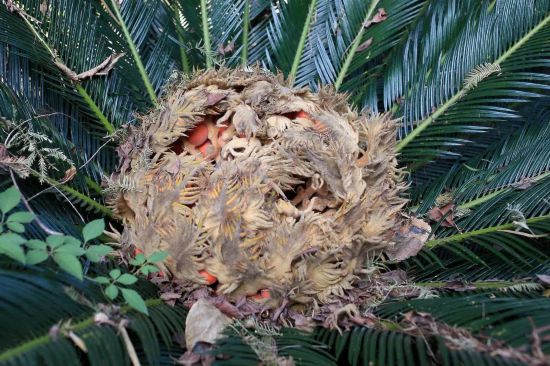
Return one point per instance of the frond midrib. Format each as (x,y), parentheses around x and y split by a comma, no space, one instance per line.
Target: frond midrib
(44,339)
(463,236)
(422,125)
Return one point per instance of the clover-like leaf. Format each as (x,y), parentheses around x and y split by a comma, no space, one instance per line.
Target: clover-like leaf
(111,292)
(16,227)
(36,256)
(69,263)
(9,199)
(55,240)
(72,249)
(96,252)
(11,239)
(102,280)
(22,217)
(36,244)
(93,229)
(13,251)
(134,300)
(148,268)
(72,240)
(127,279)
(157,257)
(115,273)
(138,260)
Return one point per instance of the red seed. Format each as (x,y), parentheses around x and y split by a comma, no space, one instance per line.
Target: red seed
(198,135)
(137,251)
(263,294)
(210,279)
(303,114)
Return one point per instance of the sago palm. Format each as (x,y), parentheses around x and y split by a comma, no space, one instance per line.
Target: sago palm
(285,155)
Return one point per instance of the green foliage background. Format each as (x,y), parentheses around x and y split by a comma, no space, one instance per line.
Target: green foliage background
(469,79)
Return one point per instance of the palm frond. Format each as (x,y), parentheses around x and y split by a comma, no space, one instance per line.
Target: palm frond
(437,90)
(506,318)
(41,308)
(249,347)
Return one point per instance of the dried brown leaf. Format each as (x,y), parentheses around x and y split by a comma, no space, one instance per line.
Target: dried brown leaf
(9,5)
(446,212)
(409,240)
(363,46)
(379,17)
(458,286)
(170,296)
(44,7)
(204,323)
(69,174)
(103,68)
(524,183)
(224,50)
(544,279)
(100,70)
(77,341)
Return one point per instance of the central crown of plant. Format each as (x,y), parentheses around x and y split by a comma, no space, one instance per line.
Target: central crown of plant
(261,190)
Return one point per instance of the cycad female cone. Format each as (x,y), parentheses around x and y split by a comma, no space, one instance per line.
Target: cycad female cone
(260,190)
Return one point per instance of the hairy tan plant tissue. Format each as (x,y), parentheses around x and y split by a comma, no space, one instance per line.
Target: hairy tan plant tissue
(262,192)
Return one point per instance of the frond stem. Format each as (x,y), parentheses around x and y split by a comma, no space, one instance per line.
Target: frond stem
(93,185)
(354,47)
(83,93)
(479,285)
(463,236)
(302,42)
(46,338)
(496,193)
(183,56)
(422,125)
(81,196)
(135,54)
(246,24)
(206,34)
(89,201)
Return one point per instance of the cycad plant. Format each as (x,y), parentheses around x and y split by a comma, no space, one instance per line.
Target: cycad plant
(465,81)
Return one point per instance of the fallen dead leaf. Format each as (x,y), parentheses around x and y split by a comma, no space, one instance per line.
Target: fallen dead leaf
(524,183)
(3,151)
(458,286)
(379,17)
(69,175)
(363,46)
(446,212)
(544,279)
(409,240)
(170,296)
(204,323)
(10,6)
(223,50)
(100,70)
(44,7)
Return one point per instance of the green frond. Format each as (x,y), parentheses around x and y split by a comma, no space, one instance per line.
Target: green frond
(468,79)
(250,348)
(437,91)
(40,308)
(505,318)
